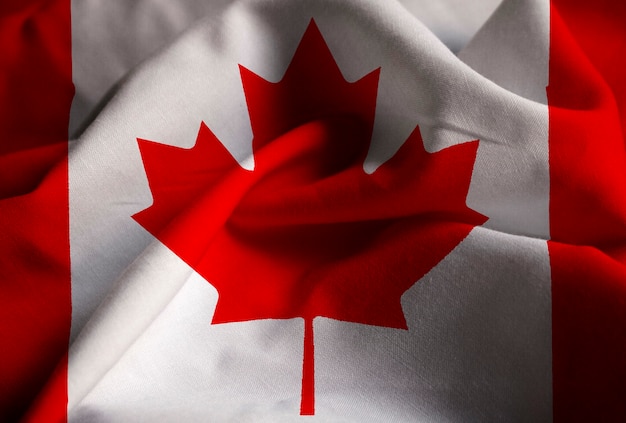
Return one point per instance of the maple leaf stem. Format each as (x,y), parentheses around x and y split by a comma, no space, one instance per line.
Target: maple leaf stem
(307,402)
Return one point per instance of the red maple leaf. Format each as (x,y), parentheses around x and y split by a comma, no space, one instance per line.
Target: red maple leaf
(308,233)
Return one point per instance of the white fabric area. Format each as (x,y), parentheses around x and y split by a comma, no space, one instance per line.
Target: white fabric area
(478,346)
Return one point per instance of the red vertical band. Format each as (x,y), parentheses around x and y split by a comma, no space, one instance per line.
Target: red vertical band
(587,99)
(35,96)
(307,402)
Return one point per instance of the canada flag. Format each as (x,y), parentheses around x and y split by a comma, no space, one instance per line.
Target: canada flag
(321,210)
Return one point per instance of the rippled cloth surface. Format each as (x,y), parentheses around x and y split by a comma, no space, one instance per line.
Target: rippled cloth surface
(357,210)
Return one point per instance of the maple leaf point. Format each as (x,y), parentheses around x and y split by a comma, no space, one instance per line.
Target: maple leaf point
(308,233)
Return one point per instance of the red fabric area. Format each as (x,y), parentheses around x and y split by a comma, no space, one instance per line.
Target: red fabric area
(308,233)
(35,96)
(587,98)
